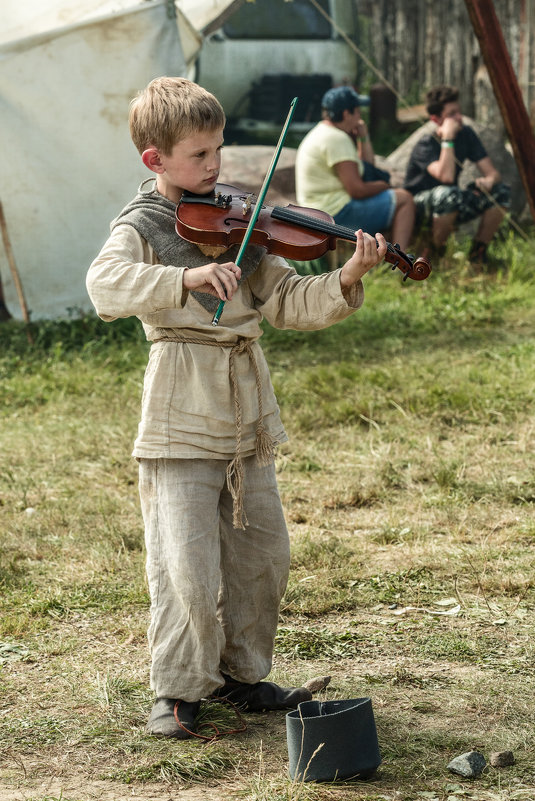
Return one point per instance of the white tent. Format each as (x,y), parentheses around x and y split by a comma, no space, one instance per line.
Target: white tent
(68,69)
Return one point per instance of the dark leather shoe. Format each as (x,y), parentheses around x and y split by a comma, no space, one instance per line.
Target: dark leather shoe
(163,721)
(262,696)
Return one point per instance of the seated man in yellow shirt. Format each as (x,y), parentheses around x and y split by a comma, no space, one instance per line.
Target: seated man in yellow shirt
(329,172)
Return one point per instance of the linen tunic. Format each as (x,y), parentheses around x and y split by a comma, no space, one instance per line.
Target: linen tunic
(188,409)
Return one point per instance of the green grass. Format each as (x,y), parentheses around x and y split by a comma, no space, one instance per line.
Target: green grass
(408,488)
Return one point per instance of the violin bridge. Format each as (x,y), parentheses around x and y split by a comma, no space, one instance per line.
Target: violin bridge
(223,201)
(246,205)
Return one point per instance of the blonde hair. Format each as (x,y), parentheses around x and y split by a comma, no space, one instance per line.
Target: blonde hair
(170,109)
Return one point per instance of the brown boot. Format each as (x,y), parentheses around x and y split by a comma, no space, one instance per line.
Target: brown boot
(478,254)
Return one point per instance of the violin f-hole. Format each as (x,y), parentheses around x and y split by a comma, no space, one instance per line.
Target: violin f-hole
(228,220)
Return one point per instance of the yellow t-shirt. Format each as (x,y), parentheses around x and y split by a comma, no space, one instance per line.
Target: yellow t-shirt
(316,182)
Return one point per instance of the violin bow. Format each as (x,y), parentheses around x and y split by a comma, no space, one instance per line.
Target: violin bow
(259,200)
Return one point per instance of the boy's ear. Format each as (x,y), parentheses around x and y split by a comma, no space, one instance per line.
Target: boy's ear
(151,158)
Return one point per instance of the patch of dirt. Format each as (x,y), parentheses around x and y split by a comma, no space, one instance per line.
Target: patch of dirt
(79,788)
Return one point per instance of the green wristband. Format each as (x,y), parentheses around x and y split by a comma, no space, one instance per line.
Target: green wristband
(447,143)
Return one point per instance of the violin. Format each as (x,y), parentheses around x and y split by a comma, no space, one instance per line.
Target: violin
(223,217)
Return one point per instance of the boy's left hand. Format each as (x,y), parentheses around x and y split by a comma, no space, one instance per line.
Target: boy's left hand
(369,251)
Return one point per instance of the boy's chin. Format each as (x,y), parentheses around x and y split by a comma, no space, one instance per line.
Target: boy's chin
(205,189)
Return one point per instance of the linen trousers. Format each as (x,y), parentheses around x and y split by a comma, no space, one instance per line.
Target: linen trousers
(215,590)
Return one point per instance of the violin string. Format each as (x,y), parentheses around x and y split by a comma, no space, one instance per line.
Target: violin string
(322,226)
(313,223)
(402,100)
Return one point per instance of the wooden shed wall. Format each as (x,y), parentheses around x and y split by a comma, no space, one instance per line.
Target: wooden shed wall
(416,44)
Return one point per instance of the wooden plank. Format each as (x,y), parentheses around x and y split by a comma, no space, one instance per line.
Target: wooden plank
(413,114)
(507,91)
(12,266)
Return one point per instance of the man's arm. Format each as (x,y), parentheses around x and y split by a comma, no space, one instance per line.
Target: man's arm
(363,142)
(489,174)
(444,169)
(349,176)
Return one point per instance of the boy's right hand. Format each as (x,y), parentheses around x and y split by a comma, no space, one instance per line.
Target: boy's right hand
(220,280)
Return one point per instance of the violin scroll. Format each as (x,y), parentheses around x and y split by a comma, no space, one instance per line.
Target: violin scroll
(416,269)
(420,269)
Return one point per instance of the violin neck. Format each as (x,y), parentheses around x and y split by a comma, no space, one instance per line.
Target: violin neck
(313,223)
(392,255)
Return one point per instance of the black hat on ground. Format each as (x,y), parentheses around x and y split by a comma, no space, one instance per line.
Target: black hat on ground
(332,740)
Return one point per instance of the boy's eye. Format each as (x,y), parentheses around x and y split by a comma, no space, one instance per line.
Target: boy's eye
(204,153)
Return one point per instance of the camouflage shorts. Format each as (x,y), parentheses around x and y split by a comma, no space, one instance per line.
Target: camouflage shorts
(469,203)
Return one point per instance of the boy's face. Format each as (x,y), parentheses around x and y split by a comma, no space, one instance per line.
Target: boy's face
(193,165)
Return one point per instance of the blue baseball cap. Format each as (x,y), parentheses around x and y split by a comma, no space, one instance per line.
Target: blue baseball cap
(337,100)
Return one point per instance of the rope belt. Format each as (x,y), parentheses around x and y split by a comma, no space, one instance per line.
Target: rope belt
(264,445)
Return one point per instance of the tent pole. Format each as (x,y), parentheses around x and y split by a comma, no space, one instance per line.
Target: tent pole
(5,314)
(12,265)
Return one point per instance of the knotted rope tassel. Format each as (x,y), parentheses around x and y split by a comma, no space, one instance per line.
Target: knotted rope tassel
(265,450)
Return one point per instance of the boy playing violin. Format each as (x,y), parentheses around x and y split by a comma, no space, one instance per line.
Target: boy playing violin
(216,539)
